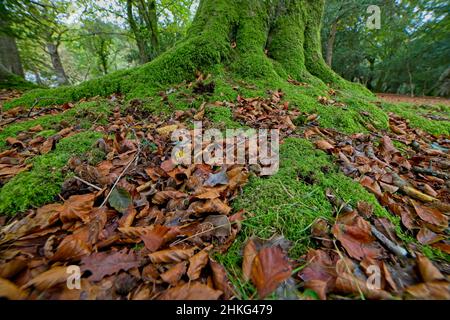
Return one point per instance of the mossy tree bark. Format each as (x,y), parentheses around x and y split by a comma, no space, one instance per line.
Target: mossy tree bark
(252,39)
(257,38)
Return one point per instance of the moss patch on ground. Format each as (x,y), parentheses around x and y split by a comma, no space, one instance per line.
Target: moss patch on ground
(84,115)
(289,202)
(43,182)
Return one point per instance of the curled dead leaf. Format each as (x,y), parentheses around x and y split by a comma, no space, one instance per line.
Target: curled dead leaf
(270,268)
(171,255)
(196,264)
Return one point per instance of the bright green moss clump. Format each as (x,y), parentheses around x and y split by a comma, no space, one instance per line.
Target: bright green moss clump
(43,182)
(289,202)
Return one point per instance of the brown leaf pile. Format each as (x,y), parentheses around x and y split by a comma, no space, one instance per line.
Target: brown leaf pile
(413,184)
(269,113)
(138,226)
(359,247)
(25,145)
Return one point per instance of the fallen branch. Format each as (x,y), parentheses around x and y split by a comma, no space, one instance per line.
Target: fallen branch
(118,179)
(431,172)
(407,189)
(135,160)
(399,251)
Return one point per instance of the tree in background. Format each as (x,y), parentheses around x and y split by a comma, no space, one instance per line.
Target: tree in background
(9,54)
(409,54)
(41,21)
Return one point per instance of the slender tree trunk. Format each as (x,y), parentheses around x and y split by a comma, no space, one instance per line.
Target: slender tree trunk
(9,55)
(61,76)
(102,53)
(147,10)
(411,83)
(38,78)
(330,43)
(140,41)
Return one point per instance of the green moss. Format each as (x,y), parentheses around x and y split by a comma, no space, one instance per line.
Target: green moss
(223,117)
(416,116)
(290,201)
(17,83)
(84,114)
(43,182)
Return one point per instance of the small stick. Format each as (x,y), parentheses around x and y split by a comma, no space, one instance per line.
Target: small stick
(399,251)
(135,159)
(118,179)
(87,183)
(431,172)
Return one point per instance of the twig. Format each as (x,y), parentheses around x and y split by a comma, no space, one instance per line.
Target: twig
(399,251)
(431,172)
(135,159)
(89,184)
(118,179)
(36,102)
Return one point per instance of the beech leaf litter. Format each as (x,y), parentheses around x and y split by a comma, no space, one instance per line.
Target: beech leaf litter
(140,227)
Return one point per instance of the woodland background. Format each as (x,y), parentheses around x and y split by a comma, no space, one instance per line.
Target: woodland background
(60,42)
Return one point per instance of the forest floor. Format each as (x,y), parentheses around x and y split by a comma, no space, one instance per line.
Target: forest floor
(398,98)
(91,183)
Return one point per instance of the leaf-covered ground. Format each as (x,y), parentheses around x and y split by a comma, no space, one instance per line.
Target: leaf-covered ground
(92,184)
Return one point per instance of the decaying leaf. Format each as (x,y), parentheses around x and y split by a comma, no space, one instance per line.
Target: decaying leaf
(196,264)
(174,274)
(120,199)
(10,291)
(153,239)
(77,207)
(191,291)
(357,239)
(50,278)
(270,268)
(171,255)
(102,264)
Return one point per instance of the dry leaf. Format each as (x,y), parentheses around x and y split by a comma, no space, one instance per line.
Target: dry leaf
(270,268)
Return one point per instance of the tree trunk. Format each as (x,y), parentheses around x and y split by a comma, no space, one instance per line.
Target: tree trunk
(38,78)
(147,10)
(52,50)
(9,55)
(330,44)
(140,41)
(254,38)
(411,83)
